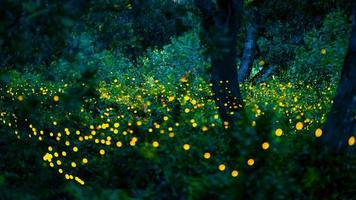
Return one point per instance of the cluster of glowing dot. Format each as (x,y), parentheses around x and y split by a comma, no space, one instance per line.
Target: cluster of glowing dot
(120,130)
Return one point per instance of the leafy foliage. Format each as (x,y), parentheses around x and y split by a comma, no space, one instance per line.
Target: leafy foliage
(125,110)
(312,62)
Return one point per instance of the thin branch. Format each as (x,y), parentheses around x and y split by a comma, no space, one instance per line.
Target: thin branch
(207,7)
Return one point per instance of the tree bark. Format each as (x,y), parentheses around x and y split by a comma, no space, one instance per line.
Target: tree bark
(249,47)
(340,125)
(263,75)
(221,21)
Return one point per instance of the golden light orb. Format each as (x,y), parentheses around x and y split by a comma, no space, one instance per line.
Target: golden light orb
(234,173)
(318,132)
(207,155)
(299,126)
(265,145)
(222,167)
(351,141)
(279,132)
(250,162)
(56,98)
(155,144)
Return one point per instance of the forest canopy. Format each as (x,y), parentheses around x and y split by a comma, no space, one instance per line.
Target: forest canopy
(182,99)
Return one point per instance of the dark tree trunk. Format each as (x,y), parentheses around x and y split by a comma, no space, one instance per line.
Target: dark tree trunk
(249,47)
(263,75)
(340,125)
(221,21)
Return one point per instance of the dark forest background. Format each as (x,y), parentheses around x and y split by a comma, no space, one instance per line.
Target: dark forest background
(182,99)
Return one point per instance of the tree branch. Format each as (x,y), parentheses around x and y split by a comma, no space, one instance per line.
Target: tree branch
(262,75)
(249,47)
(207,7)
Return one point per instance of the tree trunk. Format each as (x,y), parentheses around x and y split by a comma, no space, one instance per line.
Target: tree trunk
(221,21)
(264,74)
(340,125)
(249,47)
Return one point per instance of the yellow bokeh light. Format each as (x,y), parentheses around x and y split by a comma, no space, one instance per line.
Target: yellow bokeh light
(155,144)
(299,126)
(351,141)
(265,145)
(119,144)
(234,173)
(84,160)
(318,132)
(279,132)
(207,155)
(204,128)
(250,162)
(261,63)
(186,147)
(59,162)
(20,98)
(222,167)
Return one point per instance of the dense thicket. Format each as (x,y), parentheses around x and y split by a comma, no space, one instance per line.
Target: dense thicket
(119,99)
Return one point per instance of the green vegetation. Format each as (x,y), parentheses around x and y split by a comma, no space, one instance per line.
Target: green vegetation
(114,101)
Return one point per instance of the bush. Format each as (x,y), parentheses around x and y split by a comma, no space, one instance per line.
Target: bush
(313,62)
